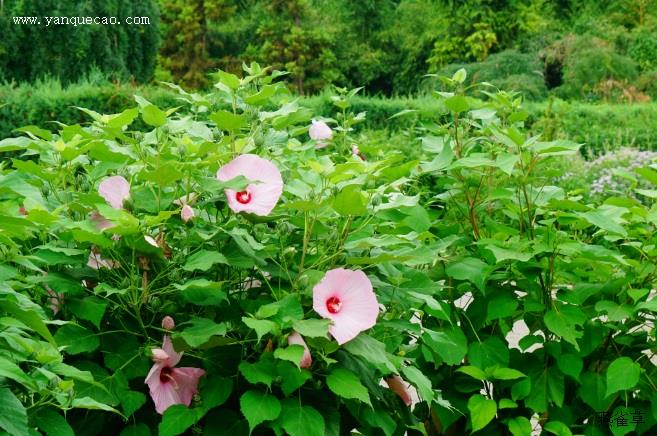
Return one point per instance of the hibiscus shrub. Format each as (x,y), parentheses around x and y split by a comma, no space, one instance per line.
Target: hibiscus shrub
(229,270)
(256,270)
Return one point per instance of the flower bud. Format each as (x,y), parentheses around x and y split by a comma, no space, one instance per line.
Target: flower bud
(159,355)
(168,323)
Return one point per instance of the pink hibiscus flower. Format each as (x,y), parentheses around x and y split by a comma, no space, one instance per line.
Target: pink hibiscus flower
(397,385)
(187,212)
(346,298)
(320,131)
(257,198)
(169,385)
(115,190)
(296,339)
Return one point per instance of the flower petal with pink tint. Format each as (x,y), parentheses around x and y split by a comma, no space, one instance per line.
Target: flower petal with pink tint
(167,384)
(96,261)
(187,213)
(55,299)
(115,190)
(168,323)
(100,221)
(151,241)
(296,339)
(186,380)
(397,385)
(167,346)
(257,198)
(346,297)
(319,130)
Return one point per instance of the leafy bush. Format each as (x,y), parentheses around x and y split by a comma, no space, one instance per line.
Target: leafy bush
(48,101)
(309,283)
(600,127)
(68,52)
(509,70)
(585,62)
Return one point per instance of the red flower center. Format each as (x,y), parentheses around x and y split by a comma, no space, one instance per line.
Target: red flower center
(333,304)
(165,374)
(243,197)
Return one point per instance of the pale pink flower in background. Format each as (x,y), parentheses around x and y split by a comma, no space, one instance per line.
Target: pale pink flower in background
(54,299)
(151,241)
(320,131)
(168,323)
(115,190)
(398,386)
(101,222)
(296,339)
(252,282)
(356,152)
(346,298)
(96,261)
(257,198)
(169,385)
(187,213)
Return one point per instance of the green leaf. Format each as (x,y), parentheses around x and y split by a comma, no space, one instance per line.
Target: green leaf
(215,392)
(519,426)
(261,326)
(52,423)
(450,344)
(228,79)
(604,221)
(300,420)
(563,322)
(457,103)
(622,374)
(13,418)
(12,371)
(228,121)
(482,411)
(460,75)
(76,339)
(470,269)
(570,364)
(131,401)
(139,429)
(176,419)
(507,374)
(292,353)
(420,381)
(505,403)
(350,201)
(259,407)
(593,390)
(204,260)
(292,377)
(312,328)
(346,384)
(473,372)
(371,350)
(200,331)
(202,292)
(28,317)
(558,428)
(263,371)
(91,404)
(153,116)
(90,309)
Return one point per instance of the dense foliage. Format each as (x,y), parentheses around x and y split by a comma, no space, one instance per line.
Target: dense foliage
(32,51)
(504,301)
